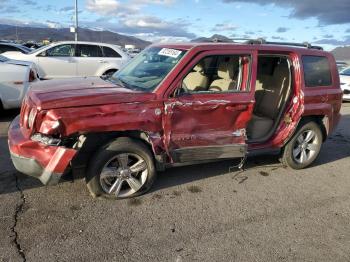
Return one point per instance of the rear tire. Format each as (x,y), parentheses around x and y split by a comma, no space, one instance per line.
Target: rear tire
(123,168)
(304,147)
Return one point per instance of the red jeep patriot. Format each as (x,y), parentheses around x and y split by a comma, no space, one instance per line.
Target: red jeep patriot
(178,104)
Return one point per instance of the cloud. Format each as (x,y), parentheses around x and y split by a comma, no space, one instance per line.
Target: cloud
(278,38)
(326,11)
(224,27)
(67,9)
(328,36)
(146,26)
(28,2)
(282,29)
(109,7)
(10,9)
(132,20)
(333,41)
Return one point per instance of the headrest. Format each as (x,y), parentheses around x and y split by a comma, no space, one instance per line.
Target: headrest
(225,70)
(199,68)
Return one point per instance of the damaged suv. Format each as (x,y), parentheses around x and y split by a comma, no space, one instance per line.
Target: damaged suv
(177,104)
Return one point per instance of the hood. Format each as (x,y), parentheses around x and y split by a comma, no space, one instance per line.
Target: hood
(17,62)
(88,91)
(14,54)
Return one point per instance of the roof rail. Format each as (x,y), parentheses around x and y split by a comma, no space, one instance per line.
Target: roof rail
(263,41)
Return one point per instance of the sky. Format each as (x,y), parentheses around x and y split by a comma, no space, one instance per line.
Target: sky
(322,22)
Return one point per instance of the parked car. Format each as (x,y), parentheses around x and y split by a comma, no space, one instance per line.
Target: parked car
(178,104)
(15,79)
(72,59)
(6,47)
(345,83)
(341,65)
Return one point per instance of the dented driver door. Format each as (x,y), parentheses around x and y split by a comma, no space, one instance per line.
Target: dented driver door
(209,124)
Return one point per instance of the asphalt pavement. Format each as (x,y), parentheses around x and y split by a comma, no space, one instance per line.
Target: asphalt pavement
(197,213)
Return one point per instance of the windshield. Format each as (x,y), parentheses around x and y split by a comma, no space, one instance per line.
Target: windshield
(38,49)
(345,72)
(3,59)
(148,69)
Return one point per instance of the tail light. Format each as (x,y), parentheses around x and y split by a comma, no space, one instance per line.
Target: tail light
(32,76)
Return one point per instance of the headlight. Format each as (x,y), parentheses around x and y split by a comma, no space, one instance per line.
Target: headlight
(31,117)
(47,140)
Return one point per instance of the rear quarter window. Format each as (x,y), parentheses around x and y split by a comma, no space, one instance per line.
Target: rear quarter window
(109,52)
(317,71)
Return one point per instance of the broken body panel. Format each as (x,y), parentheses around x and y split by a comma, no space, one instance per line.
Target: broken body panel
(177,128)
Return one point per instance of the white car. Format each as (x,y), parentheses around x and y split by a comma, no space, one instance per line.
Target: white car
(15,80)
(345,83)
(74,59)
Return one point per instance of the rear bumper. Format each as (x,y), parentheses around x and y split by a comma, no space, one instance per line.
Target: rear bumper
(46,163)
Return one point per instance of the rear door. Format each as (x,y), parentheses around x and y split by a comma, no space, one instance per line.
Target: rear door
(206,117)
(89,59)
(113,58)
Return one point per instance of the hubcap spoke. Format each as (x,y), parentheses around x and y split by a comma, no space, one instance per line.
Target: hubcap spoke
(123,160)
(300,139)
(139,166)
(312,147)
(134,183)
(115,188)
(303,156)
(108,172)
(309,136)
(297,151)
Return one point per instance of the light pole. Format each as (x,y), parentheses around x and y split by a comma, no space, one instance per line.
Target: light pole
(76,20)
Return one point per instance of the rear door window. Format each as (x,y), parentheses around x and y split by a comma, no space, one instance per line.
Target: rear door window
(89,51)
(109,52)
(317,71)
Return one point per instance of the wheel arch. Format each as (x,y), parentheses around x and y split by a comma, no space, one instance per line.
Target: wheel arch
(92,142)
(321,120)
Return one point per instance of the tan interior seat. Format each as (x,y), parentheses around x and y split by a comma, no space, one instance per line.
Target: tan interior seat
(272,92)
(196,80)
(226,75)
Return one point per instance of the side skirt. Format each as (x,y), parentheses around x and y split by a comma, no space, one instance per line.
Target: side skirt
(191,154)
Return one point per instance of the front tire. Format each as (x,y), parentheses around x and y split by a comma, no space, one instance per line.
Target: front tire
(305,146)
(123,168)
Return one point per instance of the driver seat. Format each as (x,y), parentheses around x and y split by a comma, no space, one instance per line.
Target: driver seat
(196,80)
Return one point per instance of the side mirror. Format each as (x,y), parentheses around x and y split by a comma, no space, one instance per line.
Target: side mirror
(42,54)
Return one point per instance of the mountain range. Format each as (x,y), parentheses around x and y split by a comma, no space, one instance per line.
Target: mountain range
(37,34)
(27,33)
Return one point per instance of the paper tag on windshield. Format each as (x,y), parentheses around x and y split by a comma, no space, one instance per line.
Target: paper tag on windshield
(170,52)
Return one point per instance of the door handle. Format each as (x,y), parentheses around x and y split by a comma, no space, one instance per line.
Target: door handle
(102,61)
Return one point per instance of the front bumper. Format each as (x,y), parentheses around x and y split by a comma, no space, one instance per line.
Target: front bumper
(46,163)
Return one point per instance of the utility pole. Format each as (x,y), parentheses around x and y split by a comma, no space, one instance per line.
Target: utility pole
(76,20)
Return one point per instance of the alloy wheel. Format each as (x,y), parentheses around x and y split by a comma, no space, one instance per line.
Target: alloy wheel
(306,146)
(124,175)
